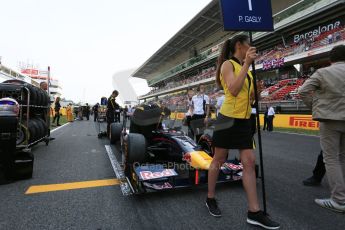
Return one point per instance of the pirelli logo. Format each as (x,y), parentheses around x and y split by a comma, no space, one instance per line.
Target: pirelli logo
(303,122)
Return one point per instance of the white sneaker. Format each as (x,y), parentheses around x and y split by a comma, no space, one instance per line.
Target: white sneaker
(330,204)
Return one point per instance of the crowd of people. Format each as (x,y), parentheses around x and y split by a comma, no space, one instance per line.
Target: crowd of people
(179,81)
(281,50)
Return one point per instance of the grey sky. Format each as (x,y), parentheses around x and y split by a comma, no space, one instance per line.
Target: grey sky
(86,41)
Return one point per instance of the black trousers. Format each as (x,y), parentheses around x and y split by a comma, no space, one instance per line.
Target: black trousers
(57,118)
(117,117)
(270,123)
(253,123)
(95,116)
(198,125)
(110,120)
(320,169)
(265,123)
(190,130)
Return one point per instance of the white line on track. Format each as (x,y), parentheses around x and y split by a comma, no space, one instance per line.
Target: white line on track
(299,134)
(113,161)
(126,189)
(59,127)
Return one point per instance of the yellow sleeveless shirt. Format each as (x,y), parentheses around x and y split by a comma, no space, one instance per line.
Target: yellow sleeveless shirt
(239,106)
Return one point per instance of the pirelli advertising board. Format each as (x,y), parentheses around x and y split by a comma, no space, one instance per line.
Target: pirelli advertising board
(293,121)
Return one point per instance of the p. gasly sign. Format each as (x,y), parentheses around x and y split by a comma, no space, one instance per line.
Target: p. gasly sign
(247,15)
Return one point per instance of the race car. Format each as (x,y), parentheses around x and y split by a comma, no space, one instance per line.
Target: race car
(157,158)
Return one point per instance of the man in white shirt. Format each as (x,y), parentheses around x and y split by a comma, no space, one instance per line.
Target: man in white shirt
(200,108)
(220,100)
(270,117)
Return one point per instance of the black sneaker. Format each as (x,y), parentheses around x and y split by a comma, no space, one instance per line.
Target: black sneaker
(311,181)
(212,206)
(262,220)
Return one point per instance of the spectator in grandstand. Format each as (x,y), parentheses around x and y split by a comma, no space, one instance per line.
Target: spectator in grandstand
(57,107)
(220,100)
(111,107)
(265,118)
(200,108)
(337,36)
(330,38)
(318,172)
(233,128)
(270,117)
(324,93)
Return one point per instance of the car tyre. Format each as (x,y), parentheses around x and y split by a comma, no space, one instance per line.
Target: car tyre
(135,148)
(115,132)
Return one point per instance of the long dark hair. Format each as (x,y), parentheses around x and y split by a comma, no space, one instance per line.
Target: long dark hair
(228,50)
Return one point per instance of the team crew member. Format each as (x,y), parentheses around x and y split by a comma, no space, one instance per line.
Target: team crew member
(87,111)
(44,86)
(111,107)
(233,126)
(57,111)
(118,114)
(69,113)
(189,113)
(220,100)
(265,119)
(270,117)
(200,108)
(95,111)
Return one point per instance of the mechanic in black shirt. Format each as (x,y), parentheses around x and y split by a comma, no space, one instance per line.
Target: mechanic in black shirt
(95,111)
(57,111)
(87,111)
(112,106)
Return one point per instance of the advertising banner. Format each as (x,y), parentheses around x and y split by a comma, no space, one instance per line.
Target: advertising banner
(293,121)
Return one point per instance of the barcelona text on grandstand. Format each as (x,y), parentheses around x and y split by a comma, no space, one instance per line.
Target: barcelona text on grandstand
(316,31)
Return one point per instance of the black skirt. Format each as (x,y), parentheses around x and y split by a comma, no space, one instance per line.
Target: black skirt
(233,133)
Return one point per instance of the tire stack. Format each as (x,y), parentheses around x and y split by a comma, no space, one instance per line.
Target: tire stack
(38,113)
(38,101)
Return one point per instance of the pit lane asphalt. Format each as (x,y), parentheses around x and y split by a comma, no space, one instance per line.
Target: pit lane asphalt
(78,155)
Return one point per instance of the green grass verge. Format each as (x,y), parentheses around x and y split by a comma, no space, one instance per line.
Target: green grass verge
(299,131)
(63,120)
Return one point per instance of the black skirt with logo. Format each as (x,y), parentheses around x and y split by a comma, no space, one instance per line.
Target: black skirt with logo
(233,133)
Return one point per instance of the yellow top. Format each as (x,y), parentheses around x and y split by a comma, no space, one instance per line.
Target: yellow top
(239,106)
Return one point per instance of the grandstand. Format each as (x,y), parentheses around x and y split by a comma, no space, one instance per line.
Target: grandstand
(305,31)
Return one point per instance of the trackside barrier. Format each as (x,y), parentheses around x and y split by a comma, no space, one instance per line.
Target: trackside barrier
(293,121)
